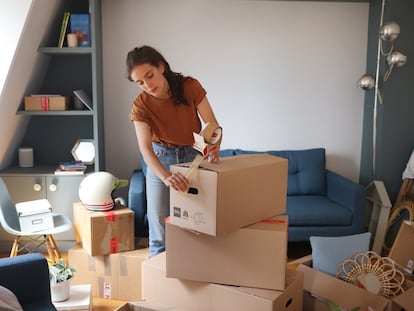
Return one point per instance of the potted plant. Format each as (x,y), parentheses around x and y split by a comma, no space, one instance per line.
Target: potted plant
(60,275)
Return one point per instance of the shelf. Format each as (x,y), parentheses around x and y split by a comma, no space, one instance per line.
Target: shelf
(40,170)
(56,113)
(64,50)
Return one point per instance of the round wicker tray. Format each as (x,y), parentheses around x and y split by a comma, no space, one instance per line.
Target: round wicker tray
(375,273)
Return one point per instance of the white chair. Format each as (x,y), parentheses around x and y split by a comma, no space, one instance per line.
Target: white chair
(30,242)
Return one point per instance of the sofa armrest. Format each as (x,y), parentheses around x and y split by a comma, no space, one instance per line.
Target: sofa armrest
(349,194)
(27,276)
(137,201)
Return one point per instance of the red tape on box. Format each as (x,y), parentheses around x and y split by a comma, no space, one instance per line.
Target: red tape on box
(113,245)
(45,103)
(111,216)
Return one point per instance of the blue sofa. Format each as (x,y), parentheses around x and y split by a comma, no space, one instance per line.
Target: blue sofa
(320,202)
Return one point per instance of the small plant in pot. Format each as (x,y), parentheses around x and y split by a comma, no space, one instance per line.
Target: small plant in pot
(60,275)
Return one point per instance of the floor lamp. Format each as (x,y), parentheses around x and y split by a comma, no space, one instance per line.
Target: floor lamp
(388,32)
(377,198)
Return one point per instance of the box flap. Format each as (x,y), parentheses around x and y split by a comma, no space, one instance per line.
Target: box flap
(323,286)
(33,207)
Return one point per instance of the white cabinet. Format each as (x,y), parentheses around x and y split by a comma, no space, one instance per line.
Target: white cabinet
(60,191)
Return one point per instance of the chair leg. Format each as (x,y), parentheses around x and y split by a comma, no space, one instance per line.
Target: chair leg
(52,249)
(15,247)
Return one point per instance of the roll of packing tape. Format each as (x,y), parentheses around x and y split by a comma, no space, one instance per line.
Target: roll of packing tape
(209,136)
(212,133)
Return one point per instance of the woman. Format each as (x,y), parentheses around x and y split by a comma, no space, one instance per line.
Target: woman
(165,115)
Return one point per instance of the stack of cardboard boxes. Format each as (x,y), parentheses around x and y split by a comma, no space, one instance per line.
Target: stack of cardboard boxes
(106,255)
(226,241)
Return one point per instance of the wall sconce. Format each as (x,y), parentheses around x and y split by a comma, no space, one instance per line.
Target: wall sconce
(388,32)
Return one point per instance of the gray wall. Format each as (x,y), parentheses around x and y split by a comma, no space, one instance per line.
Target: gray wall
(395,141)
(279,74)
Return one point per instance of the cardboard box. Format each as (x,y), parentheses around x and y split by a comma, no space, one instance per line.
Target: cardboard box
(253,256)
(202,296)
(35,215)
(102,233)
(46,102)
(114,276)
(239,191)
(319,286)
(400,253)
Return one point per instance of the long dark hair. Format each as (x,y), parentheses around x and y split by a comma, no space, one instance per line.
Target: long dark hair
(149,55)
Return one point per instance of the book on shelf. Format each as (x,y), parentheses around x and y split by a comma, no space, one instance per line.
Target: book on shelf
(71,168)
(80,96)
(63,29)
(80,24)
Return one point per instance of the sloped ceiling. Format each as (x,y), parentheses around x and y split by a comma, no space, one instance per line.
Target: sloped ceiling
(24,76)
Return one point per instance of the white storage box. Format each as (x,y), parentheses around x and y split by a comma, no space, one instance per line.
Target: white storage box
(35,215)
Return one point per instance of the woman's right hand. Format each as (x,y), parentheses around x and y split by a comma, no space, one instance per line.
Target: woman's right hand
(177,181)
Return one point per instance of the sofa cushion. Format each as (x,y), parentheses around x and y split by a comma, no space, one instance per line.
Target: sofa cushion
(315,210)
(306,170)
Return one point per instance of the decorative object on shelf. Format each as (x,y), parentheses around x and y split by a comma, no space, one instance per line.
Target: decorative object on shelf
(63,29)
(82,99)
(71,168)
(72,40)
(60,275)
(374,273)
(26,157)
(79,24)
(388,32)
(84,150)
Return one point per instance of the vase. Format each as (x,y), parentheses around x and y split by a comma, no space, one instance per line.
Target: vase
(60,291)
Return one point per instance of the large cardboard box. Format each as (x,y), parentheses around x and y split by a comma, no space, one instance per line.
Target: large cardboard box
(202,296)
(238,191)
(46,102)
(319,286)
(114,276)
(400,253)
(35,215)
(102,233)
(253,256)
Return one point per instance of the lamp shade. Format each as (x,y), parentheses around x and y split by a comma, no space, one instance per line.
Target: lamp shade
(366,82)
(396,58)
(389,31)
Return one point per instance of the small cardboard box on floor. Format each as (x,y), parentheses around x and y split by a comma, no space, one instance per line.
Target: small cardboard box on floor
(114,276)
(319,286)
(202,296)
(238,191)
(145,306)
(253,256)
(102,233)
(402,251)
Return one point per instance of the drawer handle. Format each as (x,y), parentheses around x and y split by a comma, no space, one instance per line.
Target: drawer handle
(52,187)
(37,187)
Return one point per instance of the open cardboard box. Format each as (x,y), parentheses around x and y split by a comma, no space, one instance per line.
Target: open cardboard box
(400,253)
(319,286)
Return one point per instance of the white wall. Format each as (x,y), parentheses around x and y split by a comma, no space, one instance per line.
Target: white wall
(279,74)
(12,18)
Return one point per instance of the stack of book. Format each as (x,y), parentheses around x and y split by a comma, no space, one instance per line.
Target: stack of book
(71,168)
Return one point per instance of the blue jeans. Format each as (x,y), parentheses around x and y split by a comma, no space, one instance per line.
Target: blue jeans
(158,195)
